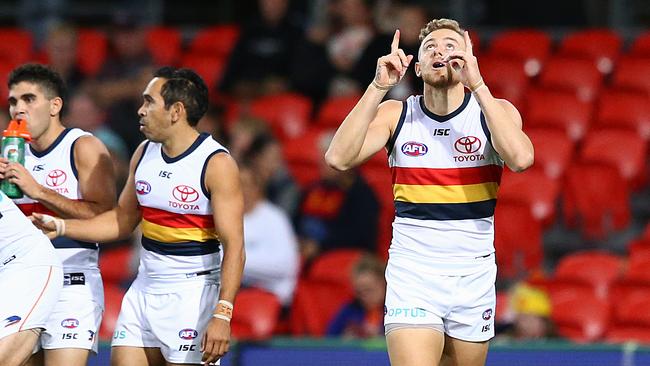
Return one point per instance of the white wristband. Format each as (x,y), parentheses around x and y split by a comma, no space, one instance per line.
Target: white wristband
(222,317)
(227,303)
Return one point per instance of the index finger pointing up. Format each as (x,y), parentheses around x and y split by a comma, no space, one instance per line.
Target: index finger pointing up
(394,46)
(468,44)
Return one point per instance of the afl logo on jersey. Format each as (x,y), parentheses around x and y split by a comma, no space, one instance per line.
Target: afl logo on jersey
(142,187)
(468,144)
(55,178)
(70,323)
(413,148)
(185,193)
(188,334)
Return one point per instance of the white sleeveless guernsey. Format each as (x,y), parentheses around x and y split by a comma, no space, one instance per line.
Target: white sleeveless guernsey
(18,236)
(445,180)
(178,231)
(55,169)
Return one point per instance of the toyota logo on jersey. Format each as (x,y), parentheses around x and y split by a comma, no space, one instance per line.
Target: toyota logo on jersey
(185,193)
(55,178)
(468,144)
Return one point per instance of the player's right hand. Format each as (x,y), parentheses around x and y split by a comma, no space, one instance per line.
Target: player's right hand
(216,341)
(392,67)
(50,226)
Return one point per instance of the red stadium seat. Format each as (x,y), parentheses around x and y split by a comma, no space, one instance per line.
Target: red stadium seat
(210,68)
(288,114)
(630,316)
(639,248)
(215,41)
(554,150)
(315,304)
(579,76)
(15,46)
(623,149)
(597,269)
(113,295)
(304,157)
(379,178)
(578,313)
(504,314)
(596,198)
(164,45)
(534,189)
(633,74)
(518,240)
(558,109)
(336,267)
(5,69)
(505,77)
(602,46)
(92,50)
(624,110)
(641,45)
(638,265)
(115,263)
(334,111)
(531,46)
(256,315)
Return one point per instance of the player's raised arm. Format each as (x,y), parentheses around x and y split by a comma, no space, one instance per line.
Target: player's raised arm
(503,119)
(367,128)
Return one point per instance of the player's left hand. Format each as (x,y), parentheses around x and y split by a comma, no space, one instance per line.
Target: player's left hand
(468,69)
(17,174)
(216,340)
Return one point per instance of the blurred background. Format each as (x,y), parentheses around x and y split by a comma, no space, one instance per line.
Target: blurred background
(573,244)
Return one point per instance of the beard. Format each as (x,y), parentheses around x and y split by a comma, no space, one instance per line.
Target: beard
(441,81)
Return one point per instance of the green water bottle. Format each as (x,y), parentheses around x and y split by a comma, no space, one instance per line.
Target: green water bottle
(13,149)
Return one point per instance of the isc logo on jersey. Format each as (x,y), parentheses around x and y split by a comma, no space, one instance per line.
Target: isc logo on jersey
(188,334)
(413,148)
(142,187)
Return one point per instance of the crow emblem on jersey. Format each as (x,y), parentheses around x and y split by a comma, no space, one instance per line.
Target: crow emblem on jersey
(413,148)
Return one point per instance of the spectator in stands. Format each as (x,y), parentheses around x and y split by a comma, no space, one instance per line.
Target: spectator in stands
(314,80)
(271,246)
(531,310)
(340,210)
(363,316)
(123,76)
(253,143)
(61,54)
(345,45)
(259,62)
(213,123)
(243,132)
(409,19)
(86,113)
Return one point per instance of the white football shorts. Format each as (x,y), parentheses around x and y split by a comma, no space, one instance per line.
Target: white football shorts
(464,305)
(77,315)
(173,322)
(31,288)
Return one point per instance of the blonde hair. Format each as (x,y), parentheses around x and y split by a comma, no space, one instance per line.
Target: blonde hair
(441,23)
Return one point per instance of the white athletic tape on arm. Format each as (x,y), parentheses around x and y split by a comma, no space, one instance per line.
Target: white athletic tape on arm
(59,224)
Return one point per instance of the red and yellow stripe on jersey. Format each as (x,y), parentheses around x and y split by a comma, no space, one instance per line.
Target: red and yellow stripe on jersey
(446,193)
(169,227)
